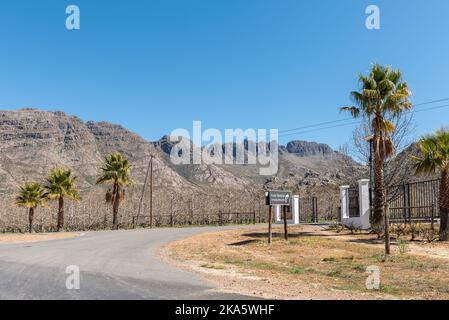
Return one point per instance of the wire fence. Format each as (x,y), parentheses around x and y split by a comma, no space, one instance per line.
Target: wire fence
(169,209)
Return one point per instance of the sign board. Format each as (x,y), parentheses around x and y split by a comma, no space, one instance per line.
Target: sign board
(278,198)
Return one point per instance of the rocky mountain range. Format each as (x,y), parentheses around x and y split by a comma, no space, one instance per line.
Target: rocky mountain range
(33,141)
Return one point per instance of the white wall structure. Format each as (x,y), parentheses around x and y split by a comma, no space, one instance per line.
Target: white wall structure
(295,212)
(363,220)
(344,203)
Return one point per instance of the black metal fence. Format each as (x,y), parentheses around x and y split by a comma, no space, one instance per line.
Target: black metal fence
(308,209)
(413,201)
(353,199)
(319,209)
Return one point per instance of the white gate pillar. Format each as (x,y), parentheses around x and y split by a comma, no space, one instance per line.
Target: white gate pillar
(344,202)
(362,220)
(364,203)
(295,209)
(278,213)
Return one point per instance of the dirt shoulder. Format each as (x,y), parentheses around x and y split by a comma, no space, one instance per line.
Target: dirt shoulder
(314,264)
(34,237)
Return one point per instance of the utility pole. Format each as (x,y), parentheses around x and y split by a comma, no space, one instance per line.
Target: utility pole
(270,232)
(284,209)
(149,171)
(370,140)
(151,191)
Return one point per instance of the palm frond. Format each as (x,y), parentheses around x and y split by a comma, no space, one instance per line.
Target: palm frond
(354,111)
(31,195)
(434,153)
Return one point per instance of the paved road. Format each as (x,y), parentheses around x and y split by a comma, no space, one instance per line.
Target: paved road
(113,265)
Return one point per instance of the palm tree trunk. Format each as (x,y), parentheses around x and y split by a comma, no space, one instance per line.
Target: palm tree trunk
(30,219)
(115,205)
(378,210)
(444,206)
(60,213)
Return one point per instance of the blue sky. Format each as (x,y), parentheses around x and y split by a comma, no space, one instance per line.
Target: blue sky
(157,65)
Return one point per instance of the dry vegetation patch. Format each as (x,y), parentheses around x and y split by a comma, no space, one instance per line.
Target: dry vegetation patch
(314,264)
(15,238)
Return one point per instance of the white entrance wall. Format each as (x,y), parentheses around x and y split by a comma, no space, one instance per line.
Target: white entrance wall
(363,220)
(295,212)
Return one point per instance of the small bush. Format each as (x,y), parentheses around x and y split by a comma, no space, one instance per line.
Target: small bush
(414,230)
(339,228)
(430,235)
(398,230)
(299,270)
(378,230)
(211,266)
(403,246)
(353,228)
(334,273)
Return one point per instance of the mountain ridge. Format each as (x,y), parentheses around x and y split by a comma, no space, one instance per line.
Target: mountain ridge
(33,140)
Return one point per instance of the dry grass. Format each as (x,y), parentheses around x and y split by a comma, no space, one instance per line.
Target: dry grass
(313,264)
(16,238)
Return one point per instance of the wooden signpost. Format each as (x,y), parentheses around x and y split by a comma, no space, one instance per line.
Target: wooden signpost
(277,198)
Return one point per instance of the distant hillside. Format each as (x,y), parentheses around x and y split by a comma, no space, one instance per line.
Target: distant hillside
(33,141)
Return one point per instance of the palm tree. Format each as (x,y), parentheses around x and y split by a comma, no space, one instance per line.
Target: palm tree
(116,169)
(435,157)
(31,195)
(383,95)
(61,184)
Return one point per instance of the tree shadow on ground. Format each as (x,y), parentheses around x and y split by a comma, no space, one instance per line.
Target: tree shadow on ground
(242,243)
(291,235)
(265,235)
(393,241)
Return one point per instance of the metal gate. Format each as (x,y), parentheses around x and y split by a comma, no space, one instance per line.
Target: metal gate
(353,199)
(414,201)
(323,208)
(308,210)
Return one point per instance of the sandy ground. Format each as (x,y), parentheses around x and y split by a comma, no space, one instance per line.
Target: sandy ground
(431,250)
(34,237)
(271,284)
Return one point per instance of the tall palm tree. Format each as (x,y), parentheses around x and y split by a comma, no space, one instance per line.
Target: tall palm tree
(434,151)
(382,95)
(61,184)
(31,195)
(116,169)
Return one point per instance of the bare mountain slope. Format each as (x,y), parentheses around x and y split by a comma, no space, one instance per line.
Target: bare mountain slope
(33,141)
(301,163)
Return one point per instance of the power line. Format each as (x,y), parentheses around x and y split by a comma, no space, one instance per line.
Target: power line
(358,122)
(348,119)
(430,102)
(295,131)
(431,108)
(316,125)
(319,129)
